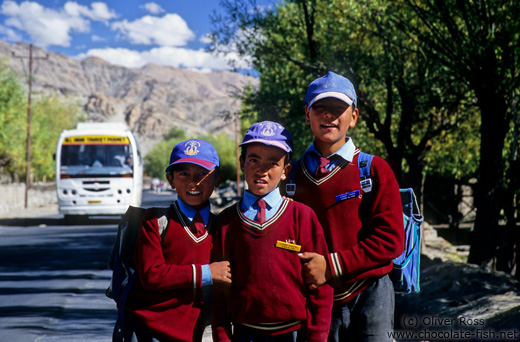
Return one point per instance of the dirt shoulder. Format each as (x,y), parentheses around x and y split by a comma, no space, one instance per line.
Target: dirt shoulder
(459,297)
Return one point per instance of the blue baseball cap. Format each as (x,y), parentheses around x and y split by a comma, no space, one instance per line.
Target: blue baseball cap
(269,133)
(331,85)
(194,151)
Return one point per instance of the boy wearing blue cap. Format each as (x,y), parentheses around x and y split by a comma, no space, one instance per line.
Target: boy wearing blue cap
(167,301)
(260,236)
(362,241)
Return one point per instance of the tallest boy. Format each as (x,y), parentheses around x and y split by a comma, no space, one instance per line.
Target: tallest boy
(362,240)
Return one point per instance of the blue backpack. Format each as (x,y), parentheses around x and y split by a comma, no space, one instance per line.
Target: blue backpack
(406,269)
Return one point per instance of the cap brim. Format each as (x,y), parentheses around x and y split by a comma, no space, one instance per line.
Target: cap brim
(200,162)
(336,95)
(268,142)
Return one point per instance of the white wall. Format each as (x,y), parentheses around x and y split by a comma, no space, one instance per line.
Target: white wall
(12,196)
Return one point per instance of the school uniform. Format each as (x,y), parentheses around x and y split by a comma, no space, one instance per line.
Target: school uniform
(268,296)
(167,301)
(362,241)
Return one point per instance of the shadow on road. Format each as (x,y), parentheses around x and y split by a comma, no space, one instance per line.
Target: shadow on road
(58,221)
(53,280)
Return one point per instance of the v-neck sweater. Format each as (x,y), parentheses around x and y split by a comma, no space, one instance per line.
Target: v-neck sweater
(362,241)
(268,292)
(167,297)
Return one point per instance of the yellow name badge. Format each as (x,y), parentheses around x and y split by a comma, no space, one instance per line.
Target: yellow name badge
(288,246)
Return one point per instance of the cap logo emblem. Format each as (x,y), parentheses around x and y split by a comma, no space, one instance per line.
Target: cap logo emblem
(192,148)
(268,130)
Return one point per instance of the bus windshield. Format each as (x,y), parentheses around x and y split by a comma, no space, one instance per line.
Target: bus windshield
(96,159)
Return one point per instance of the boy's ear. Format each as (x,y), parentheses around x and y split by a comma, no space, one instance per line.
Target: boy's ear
(170,179)
(286,169)
(242,164)
(307,115)
(355,116)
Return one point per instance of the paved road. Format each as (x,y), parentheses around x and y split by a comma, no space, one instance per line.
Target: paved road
(53,278)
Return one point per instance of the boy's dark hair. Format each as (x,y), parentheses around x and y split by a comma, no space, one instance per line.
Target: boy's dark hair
(243,152)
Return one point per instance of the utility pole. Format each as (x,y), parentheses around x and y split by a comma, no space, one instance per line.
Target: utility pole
(29,118)
(237,142)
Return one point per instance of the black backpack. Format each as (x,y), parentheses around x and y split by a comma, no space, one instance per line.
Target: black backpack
(121,261)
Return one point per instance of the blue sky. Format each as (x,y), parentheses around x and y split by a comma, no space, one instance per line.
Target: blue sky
(123,32)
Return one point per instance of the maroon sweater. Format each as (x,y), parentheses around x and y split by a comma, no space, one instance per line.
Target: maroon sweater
(167,296)
(267,291)
(362,241)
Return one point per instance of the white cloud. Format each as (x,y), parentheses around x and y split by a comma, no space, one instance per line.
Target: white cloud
(96,38)
(44,26)
(153,8)
(53,27)
(170,30)
(9,34)
(118,56)
(171,56)
(206,39)
(99,11)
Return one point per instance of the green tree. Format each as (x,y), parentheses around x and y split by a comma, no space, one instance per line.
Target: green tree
(175,133)
(12,130)
(479,42)
(405,100)
(157,159)
(51,115)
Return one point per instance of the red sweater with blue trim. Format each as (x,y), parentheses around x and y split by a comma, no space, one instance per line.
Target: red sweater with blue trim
(362,241)
(268,292)
(167,298)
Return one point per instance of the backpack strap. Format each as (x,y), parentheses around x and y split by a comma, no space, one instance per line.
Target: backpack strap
(163,220)
(290,184)
(364,162)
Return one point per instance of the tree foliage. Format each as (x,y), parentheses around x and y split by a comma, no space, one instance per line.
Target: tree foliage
(50,115)
(405,99)
(12,106)
(478,42)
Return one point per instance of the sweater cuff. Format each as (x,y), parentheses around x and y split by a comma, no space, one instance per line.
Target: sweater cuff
(335,265)
(197,276)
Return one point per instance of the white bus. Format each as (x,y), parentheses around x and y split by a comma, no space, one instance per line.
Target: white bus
(99,170)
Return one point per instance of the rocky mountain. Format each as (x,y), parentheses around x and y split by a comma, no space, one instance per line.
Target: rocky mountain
(151,99)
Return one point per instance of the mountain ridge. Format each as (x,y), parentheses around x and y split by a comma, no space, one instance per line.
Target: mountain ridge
(150,100)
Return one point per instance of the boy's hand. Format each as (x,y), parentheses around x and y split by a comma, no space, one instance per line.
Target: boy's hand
(220,272)
(315,269)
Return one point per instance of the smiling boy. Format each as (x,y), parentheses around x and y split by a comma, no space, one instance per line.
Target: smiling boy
(168,300)
(362,240)
(260,236)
